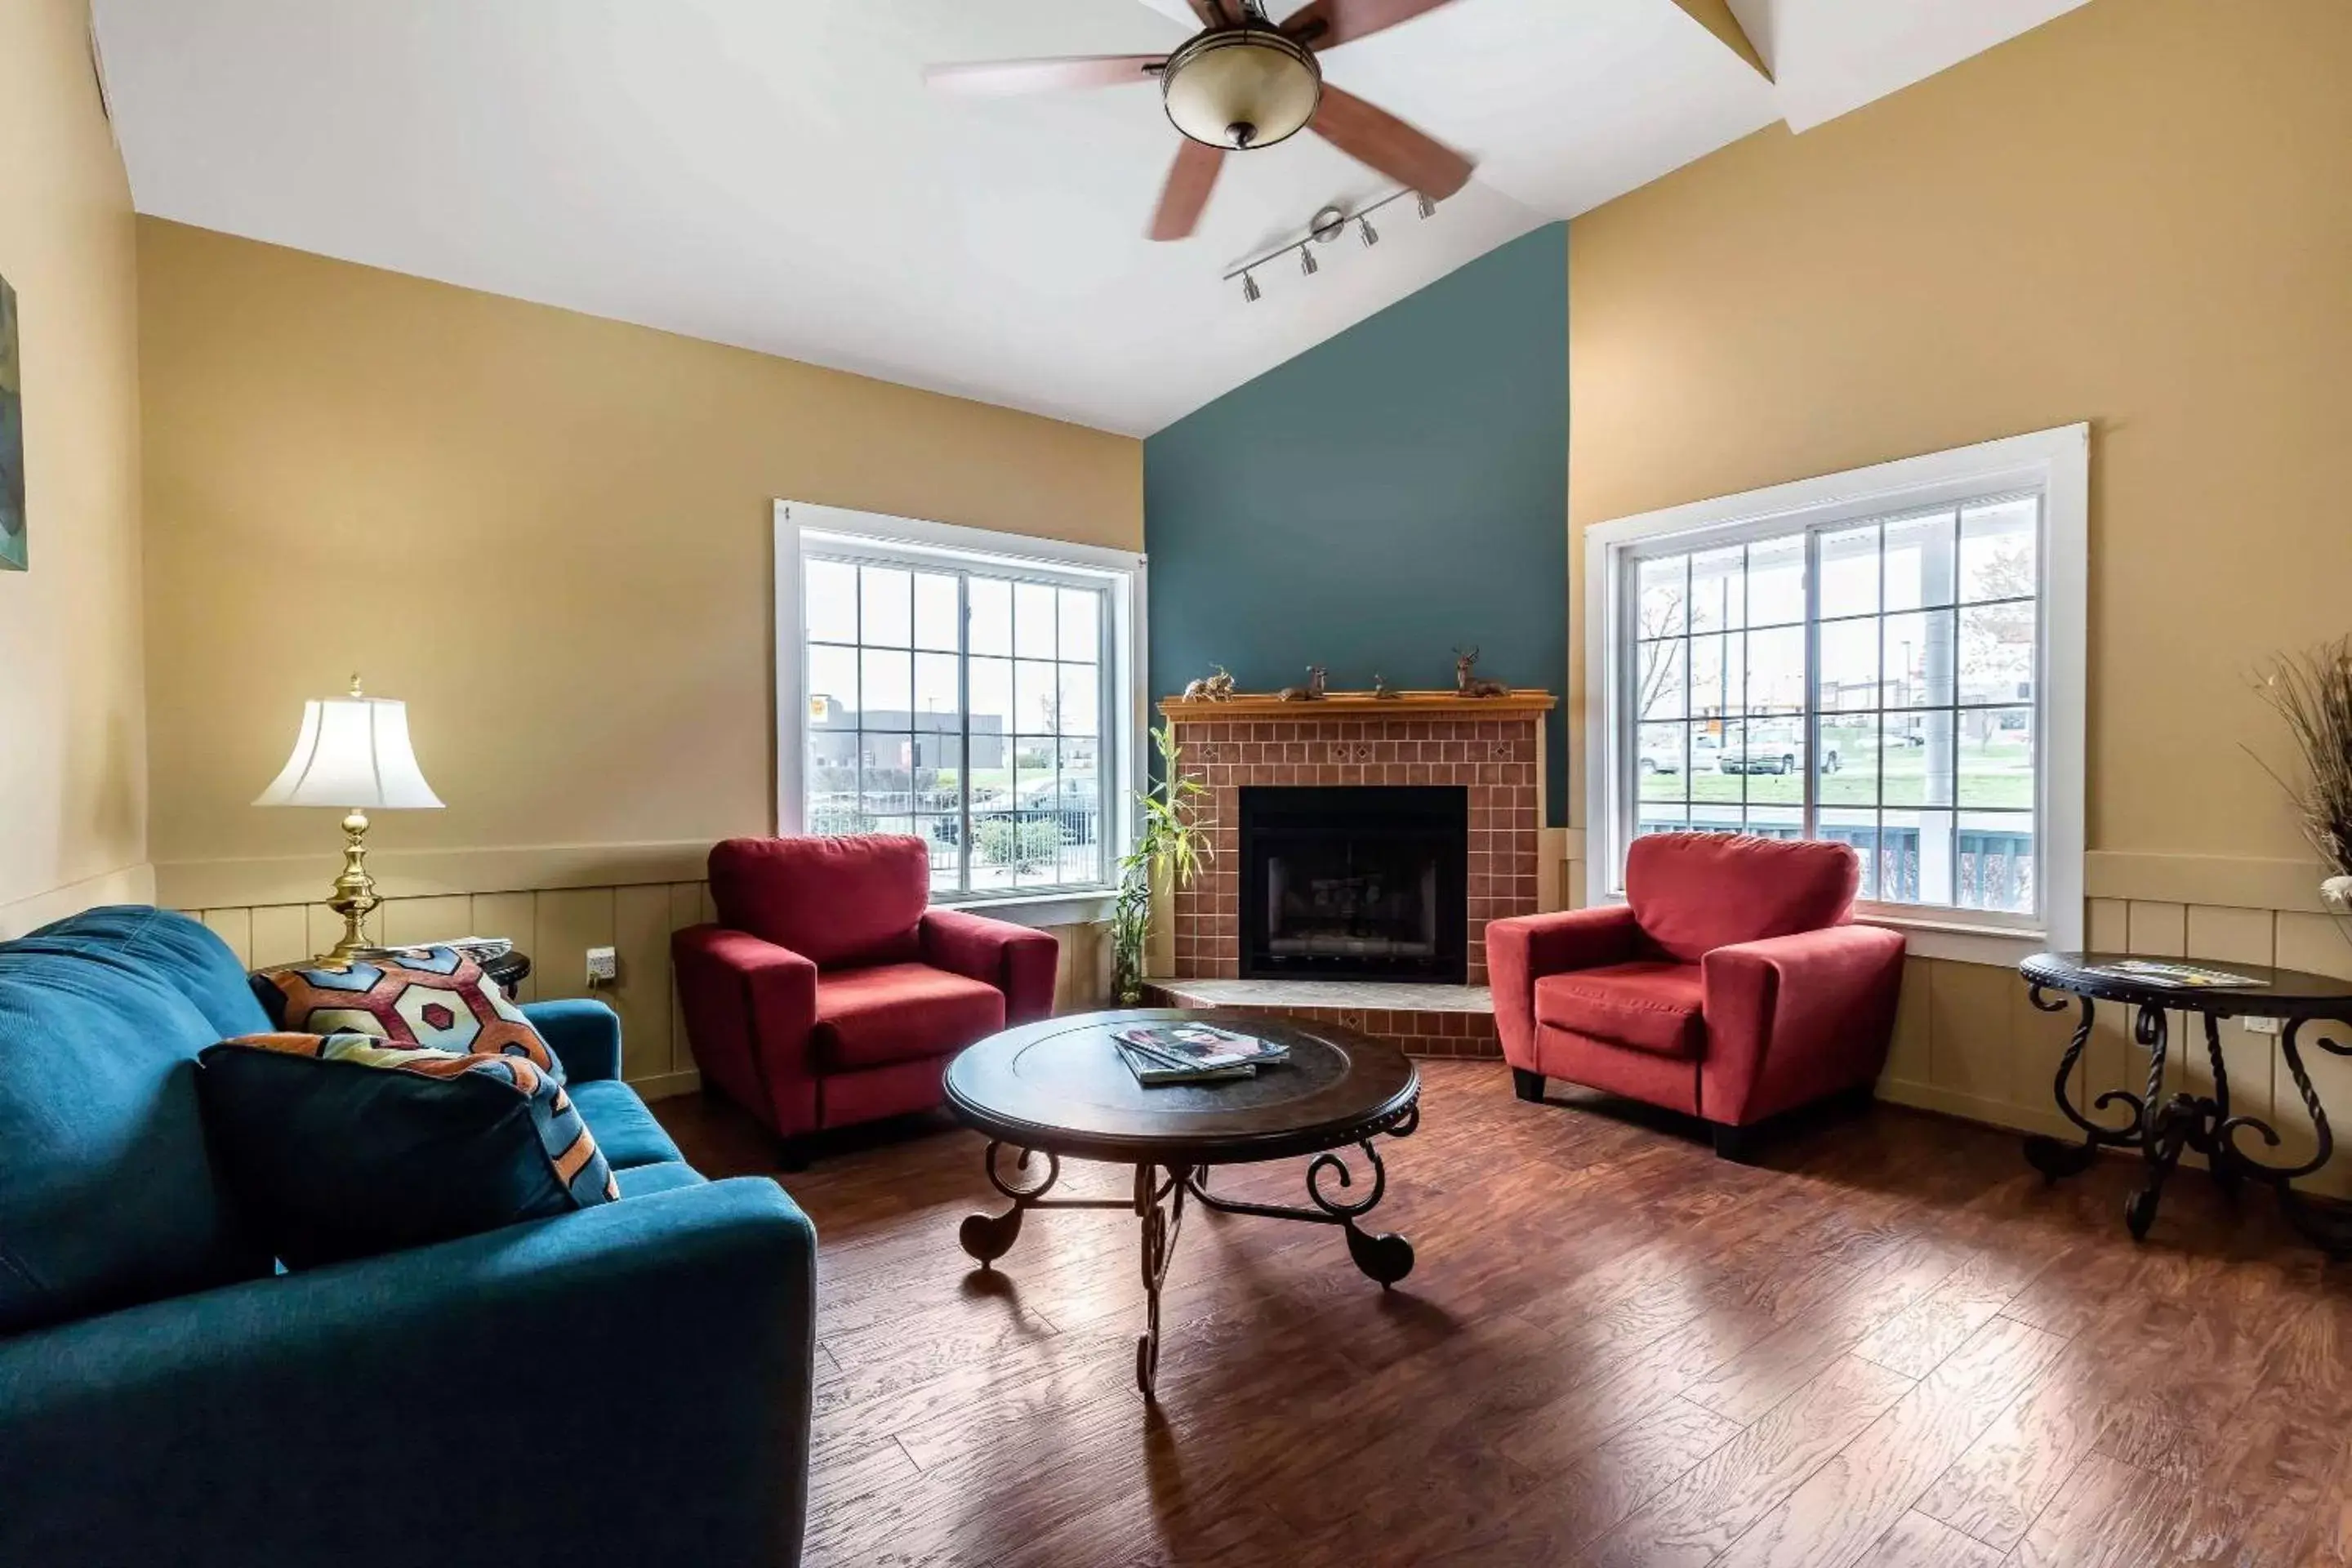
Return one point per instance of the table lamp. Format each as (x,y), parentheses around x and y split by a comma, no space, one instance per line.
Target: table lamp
(352,753)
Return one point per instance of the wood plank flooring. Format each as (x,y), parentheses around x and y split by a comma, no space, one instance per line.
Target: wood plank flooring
(1888,1347)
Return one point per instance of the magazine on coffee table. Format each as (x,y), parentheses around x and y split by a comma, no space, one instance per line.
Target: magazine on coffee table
(2179,976)
(1155,1072)
(1193,1052)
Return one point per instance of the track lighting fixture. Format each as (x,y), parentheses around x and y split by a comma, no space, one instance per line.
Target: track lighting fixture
(1326,226)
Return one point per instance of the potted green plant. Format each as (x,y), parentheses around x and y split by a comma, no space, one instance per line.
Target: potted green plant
(1169,850)
(2312,691)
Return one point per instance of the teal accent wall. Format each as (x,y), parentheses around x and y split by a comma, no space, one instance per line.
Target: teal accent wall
(1394,491)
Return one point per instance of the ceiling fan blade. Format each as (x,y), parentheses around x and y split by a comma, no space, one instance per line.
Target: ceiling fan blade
(1342,21)
(1374,136)
(1187,190)
(994,78)
(1212,13)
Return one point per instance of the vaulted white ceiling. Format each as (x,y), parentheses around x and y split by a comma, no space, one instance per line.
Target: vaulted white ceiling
(773,173)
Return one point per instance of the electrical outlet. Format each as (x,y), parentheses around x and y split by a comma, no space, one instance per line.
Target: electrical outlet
(2260,1026)
(604,966)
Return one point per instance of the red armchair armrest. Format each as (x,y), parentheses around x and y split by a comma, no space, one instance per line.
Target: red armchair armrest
(1524,949)
(750,1008)
(1017,961)
(1793,1018)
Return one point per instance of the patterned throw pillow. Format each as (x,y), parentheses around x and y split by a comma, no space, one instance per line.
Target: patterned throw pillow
(343,1146)
(437,997)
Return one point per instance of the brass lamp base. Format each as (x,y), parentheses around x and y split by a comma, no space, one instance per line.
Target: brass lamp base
(354,897)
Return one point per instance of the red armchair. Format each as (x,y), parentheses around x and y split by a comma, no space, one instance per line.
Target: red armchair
(1731,985)
(828,993)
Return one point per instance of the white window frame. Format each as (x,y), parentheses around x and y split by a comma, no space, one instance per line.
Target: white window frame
(2054,464)
(913,541)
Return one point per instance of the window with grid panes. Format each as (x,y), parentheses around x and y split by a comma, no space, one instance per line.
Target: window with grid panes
(968,705)
(1872,680)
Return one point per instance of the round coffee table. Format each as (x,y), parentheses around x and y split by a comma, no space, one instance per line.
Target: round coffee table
(1058,1089)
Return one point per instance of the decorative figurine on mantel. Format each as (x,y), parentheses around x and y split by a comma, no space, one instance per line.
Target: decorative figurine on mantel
(1210,688)
(1466,684)
(1381,690)
(1310,692)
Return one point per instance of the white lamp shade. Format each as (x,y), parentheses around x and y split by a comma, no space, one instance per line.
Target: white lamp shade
(354,752)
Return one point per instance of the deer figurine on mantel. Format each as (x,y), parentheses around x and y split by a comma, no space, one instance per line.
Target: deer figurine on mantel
(1311,692)
(1466,684)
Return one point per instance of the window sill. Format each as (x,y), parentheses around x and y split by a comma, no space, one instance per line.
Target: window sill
(2001,947)
(1066,907)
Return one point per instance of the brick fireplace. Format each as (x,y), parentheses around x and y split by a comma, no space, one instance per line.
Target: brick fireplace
(1488,749)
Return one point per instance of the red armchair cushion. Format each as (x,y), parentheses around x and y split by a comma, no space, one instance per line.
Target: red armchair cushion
(1649,1007)
(1694,892)
(1017,961)
(856,900)
(899,1011)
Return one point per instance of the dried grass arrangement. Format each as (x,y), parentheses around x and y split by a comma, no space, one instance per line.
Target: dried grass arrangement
(2311,692)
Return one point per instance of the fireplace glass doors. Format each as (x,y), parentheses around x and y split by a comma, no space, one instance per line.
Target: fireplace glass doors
(1354,882)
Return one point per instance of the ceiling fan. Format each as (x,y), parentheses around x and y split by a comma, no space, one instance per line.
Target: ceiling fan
(1240,83)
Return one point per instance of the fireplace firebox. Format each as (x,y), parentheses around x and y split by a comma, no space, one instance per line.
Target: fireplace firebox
(1354,882)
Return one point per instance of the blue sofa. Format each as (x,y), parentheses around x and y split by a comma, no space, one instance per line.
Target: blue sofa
(626,1385)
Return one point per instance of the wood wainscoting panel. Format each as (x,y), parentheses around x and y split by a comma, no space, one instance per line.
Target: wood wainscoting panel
(281,934)
(2236,936)
(642,994)
(234,927)
(516,916)
(408,922)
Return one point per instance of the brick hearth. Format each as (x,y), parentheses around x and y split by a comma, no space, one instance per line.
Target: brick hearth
(1493,747)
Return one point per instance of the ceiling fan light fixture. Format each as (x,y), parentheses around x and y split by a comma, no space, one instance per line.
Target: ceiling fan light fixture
(1239,88)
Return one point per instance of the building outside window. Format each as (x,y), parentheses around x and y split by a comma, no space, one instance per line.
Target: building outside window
(1891,659)
(973,690)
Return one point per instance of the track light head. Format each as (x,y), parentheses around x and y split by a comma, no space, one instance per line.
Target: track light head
(1307,266)
(1250,290)
(1428,208)
(1367,233)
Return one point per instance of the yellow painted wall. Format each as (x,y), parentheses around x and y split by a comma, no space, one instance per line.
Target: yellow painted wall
(551,535)
(549,532)
(73,764)
(2139,215)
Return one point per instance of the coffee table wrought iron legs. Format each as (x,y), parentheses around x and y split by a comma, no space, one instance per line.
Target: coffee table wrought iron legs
(1383,1256)
(1159,1206)
(989,1236)
(2162,1130)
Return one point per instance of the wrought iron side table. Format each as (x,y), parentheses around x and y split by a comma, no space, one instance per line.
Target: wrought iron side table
(2162,1129)
(1057,1089)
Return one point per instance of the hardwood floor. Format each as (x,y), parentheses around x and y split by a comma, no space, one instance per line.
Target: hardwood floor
(1890,1347)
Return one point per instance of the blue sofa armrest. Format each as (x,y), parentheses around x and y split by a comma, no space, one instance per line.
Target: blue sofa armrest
(629,1384)
(585,1036)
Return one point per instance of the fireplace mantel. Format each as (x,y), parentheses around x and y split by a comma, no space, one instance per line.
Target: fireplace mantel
(1519,704)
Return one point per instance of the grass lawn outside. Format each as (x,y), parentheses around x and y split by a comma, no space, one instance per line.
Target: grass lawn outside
(1996,774)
